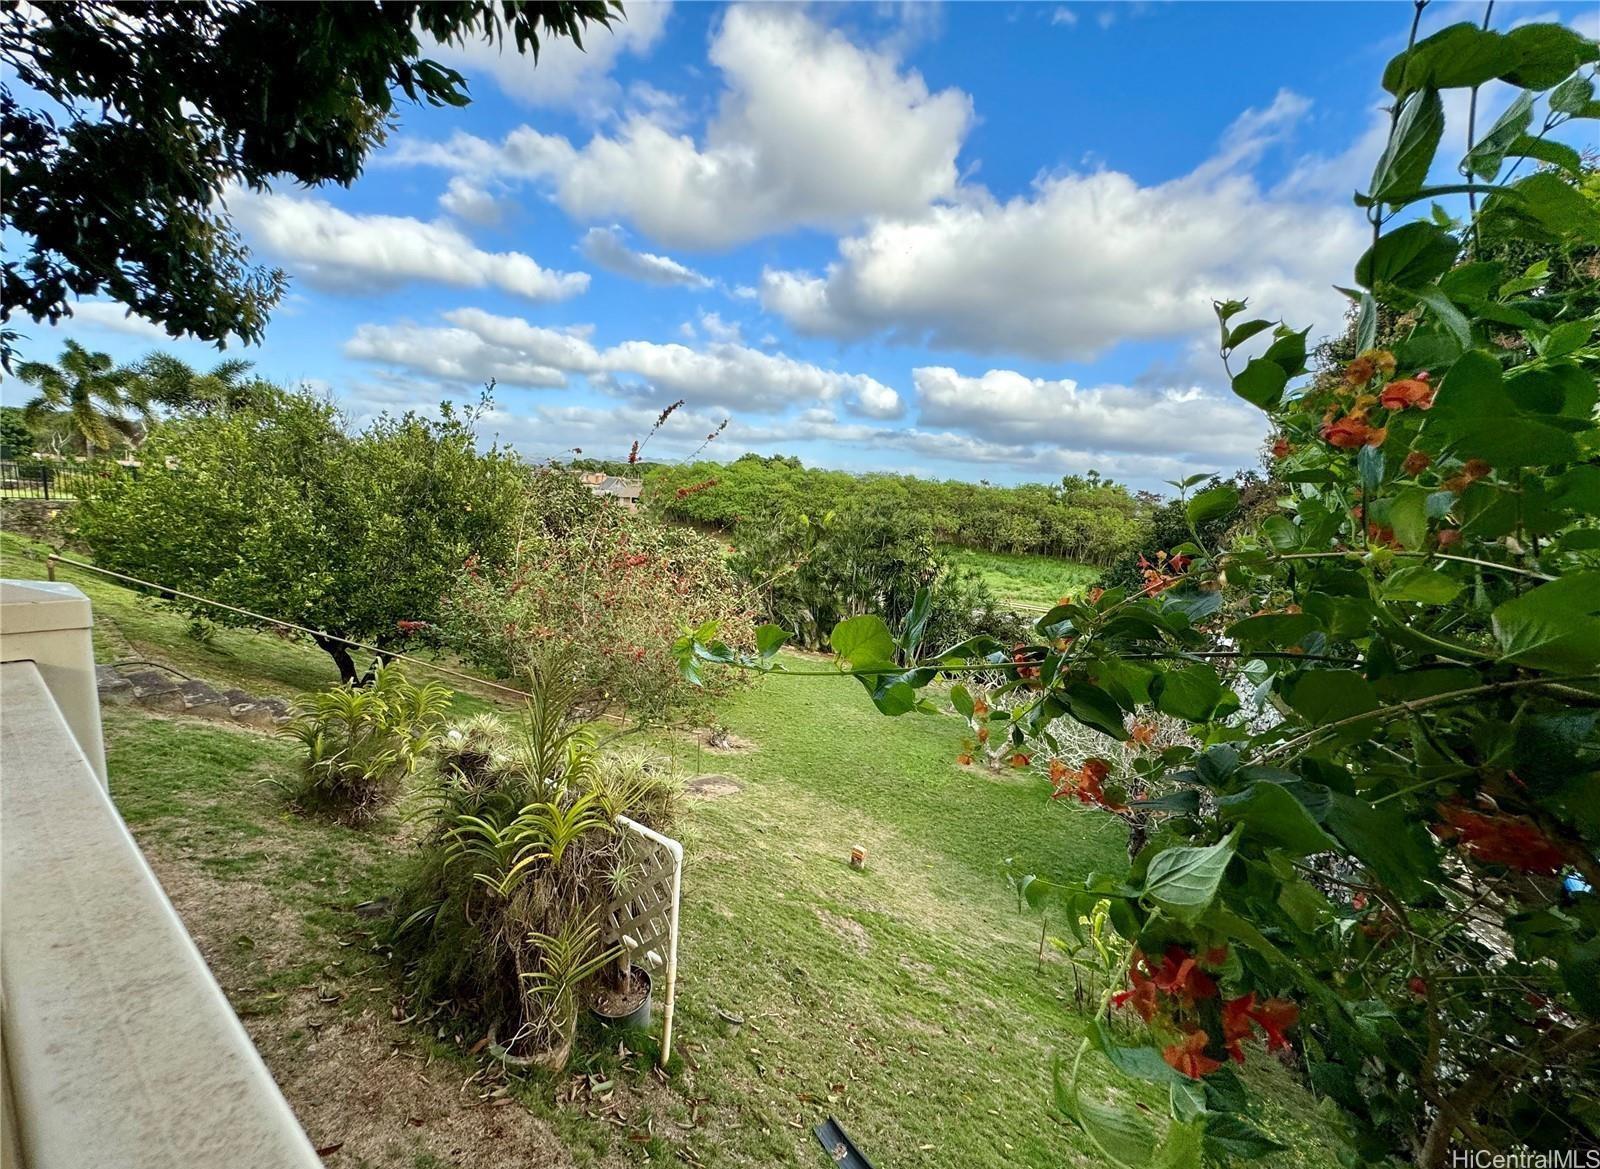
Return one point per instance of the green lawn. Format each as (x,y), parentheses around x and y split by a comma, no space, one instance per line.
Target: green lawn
(1032,581)
(906,1000)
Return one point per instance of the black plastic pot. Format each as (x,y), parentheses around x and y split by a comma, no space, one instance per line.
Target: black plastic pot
(640,1015)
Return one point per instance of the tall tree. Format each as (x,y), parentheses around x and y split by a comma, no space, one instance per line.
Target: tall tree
(83,399)
(285,512)
(170,382)
(152,112)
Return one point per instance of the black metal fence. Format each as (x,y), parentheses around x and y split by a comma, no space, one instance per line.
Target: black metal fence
(65,478)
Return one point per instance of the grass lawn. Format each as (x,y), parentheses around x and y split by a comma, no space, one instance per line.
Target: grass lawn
(906,1000)
(1033,581)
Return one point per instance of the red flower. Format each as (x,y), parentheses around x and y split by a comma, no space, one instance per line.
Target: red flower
(1449,537)
(1142,994)
(1418,986)
(1019,760)
(1350,432)
(1190,1058)
(1500,839)
(1086,783)
(1281,447)
(1237,1025)
(633,453)
(1471,472)
(1407,392)
(1416,463)
(1274,1016)
(1181,977)
(964,759)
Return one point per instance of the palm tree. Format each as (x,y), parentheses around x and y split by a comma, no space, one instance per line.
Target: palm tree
(167,381)
(82,399)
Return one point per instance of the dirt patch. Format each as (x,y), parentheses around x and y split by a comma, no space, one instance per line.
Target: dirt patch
(721,741)
(356,1081)
(710,787)
(846,928)
(614,1002)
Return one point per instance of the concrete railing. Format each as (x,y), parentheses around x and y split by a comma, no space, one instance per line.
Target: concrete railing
(120,1050)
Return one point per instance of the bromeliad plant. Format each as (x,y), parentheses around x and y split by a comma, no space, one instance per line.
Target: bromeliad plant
(502,918)
(1391,685)
(361,743)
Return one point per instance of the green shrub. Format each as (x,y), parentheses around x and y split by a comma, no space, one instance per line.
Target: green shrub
(362,742)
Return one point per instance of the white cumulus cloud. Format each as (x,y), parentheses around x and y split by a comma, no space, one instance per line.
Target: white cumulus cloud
(338,250)
(608,248)
(1006,407)
(1085,260)
(480,345)
(811,130)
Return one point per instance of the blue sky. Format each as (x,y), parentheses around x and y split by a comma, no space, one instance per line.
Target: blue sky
(962,240)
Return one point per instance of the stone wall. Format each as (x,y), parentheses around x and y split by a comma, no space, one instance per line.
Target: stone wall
(34,518)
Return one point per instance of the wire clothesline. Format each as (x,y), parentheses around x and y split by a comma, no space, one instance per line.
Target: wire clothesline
(52,560)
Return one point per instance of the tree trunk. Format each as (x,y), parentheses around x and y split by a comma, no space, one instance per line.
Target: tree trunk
(340,653)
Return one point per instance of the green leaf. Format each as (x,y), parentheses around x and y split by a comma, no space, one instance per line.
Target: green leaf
(1180,1148)
(1141,1063)
(1239,334)
(1421,584)
(1385,840)
(1096,709)
(1567,338)
(916,621)
(1456,57)
(863,641)
(1261,383)
(1474,388)
(1580,971)
(1408,516)
(1123,1137)
(1546,54)
(1554,626)
(1325,696)
(1183,881)
(1366,323)
(1547,150)
(961,699)
(1191,692)
(1409,152)
(770,639)
(1274,629)
(1573,95)
(1231,1135)
(1408,257)
(1269,813)
(1281,533)
(1516,442)
(1288,349)
(1447,314)
(1550,201)
(1486,158)
(1212,504)
(1534,276)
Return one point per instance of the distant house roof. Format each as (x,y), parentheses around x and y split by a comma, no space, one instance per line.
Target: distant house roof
(602,484)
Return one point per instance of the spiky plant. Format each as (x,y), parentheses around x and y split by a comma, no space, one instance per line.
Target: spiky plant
(361,743)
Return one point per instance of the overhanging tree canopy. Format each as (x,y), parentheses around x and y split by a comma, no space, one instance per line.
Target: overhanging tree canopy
(134,119)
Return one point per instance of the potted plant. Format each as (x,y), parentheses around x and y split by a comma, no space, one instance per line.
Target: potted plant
(622,996)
